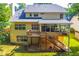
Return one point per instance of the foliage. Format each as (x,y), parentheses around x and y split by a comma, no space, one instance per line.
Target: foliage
(72,30)
(5,13)
(21,6)
(72,10)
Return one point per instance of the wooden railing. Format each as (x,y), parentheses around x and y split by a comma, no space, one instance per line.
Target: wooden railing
(57,43)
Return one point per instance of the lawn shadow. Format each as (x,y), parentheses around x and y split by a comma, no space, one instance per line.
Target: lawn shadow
(74,52)
(22,49)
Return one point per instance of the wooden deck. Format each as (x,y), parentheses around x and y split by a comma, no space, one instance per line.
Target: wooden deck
(48,41)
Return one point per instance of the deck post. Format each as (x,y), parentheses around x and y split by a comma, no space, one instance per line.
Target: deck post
(69,40)
(40,27)
(59,27)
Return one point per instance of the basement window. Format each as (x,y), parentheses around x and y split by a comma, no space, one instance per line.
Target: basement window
(20,26)
(22,38)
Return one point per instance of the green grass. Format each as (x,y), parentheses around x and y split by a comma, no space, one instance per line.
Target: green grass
(36,54)
(6,49)
(74,46)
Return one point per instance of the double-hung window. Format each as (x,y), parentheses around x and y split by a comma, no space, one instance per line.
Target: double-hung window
(20,26)
(35,27)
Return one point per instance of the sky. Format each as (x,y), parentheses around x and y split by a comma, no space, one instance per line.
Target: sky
(49,1)
(63,3)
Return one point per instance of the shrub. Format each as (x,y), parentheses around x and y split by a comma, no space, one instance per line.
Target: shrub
(72,30)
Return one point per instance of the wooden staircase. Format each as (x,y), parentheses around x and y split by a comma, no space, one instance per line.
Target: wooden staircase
(60,45)
(52,43)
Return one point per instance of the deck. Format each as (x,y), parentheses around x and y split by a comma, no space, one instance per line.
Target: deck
(48,41)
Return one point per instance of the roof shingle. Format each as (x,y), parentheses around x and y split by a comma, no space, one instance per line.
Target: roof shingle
(42,7)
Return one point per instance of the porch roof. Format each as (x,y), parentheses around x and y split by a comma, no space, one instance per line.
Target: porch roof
(61,21)
(43,21)
(25,20)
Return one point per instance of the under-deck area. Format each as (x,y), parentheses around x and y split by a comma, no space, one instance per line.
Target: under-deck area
(46,41)
(48,37)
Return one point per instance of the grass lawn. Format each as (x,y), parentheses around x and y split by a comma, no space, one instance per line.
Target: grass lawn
(74,46)
(36,54)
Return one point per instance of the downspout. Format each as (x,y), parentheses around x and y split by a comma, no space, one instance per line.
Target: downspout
(69,40)
(68,35)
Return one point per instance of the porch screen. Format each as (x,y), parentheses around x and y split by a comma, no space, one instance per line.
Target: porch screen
(46,28)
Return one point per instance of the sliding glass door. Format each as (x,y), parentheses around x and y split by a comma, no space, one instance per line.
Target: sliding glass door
(45,28)
(50,28)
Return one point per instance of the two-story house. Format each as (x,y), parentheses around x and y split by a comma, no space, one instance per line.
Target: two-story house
(40,26)
(75,25)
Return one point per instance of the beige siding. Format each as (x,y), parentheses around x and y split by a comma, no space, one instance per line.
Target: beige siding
(74,22)
(50,15)
(14,33)
(44,15)
(77,35)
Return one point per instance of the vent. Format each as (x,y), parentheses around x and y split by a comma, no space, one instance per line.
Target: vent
(42,3)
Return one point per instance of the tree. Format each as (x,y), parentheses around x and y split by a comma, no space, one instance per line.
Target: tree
(20,6)
(73,10)
(5,13)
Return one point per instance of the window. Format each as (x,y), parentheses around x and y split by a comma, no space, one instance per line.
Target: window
(20,26)
(42,13)
(30,14)
(55,28)
(61,16)
(50,28)
(46,28)
(22,38)
(64,28)
(78,17)
(35,15)
(35,27)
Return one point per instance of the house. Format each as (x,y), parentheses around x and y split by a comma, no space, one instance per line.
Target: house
(75,25)
(40,27)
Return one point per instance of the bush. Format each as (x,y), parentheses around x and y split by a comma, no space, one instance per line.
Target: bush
(4,38)
(72,30)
